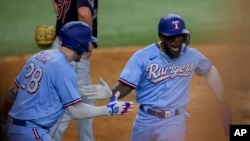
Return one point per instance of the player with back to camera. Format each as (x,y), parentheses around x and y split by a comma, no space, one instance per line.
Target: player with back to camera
(161,74)
(47,85)
(85,11)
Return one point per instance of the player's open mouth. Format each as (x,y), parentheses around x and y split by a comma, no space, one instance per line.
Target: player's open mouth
(175,48)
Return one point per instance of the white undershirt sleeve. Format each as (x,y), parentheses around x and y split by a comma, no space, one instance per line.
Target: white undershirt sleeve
(85,111)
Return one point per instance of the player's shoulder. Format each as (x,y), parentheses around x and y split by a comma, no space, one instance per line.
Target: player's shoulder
(146,52)
(149,49)
(192,50)
(59,60)
(53,59)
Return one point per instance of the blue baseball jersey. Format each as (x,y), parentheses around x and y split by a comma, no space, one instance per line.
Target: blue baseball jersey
(161,82)
(47,84)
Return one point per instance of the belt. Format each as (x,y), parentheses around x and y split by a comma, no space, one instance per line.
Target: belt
(161,113)
(25,122)
(19,122)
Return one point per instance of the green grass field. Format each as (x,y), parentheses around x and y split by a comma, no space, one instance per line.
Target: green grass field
(121,23)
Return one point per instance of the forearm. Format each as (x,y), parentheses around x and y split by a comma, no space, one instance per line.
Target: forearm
(54,5)
(85,15)
(85,111)
(214,82)
(123,89)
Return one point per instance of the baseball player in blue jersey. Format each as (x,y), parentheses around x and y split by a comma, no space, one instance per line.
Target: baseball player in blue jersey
(85,11)
(47,86)
(161,73)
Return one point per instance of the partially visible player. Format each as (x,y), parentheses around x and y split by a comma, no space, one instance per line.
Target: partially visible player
(85,11)
(47,86)
(161,74)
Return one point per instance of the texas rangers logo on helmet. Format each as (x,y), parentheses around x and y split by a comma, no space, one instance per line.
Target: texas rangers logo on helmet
(176,24)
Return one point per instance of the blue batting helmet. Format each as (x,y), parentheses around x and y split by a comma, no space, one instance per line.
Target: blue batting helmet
(172,24)
(76,35)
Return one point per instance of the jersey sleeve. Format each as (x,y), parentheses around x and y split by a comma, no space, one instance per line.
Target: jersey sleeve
(204,64)
(132,72)
(20,77)
(67,88)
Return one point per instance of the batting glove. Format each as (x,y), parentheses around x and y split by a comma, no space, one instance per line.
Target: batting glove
(98,91)
(115,107)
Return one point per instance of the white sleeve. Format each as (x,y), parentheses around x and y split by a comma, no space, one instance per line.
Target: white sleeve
(214,82)
(84,111)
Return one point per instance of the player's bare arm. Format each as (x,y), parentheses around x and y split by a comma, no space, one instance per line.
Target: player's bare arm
(123,89)
(85,15)
(214,82)
(54,5)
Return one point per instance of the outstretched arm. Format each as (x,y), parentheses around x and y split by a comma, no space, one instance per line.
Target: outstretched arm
(214,82)
(123,89)
(114,107)
(85,111)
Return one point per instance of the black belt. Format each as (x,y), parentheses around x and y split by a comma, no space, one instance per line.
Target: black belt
(24,123)
(19,122)
(160,113)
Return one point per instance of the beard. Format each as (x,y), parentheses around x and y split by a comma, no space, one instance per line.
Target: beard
(175,51)
(172,50)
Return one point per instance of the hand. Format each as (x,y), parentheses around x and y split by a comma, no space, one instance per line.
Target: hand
(227,120)
(226,116)
(119,107)
(99,91)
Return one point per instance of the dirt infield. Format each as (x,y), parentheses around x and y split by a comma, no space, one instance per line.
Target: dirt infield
(204,123)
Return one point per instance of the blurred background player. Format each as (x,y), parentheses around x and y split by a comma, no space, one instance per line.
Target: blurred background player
(85,11)
(161,74)
(47,86)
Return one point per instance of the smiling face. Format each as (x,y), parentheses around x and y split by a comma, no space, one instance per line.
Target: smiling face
(172,45)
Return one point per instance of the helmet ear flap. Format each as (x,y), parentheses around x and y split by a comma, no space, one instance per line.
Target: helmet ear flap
(186,38)
(186,41)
